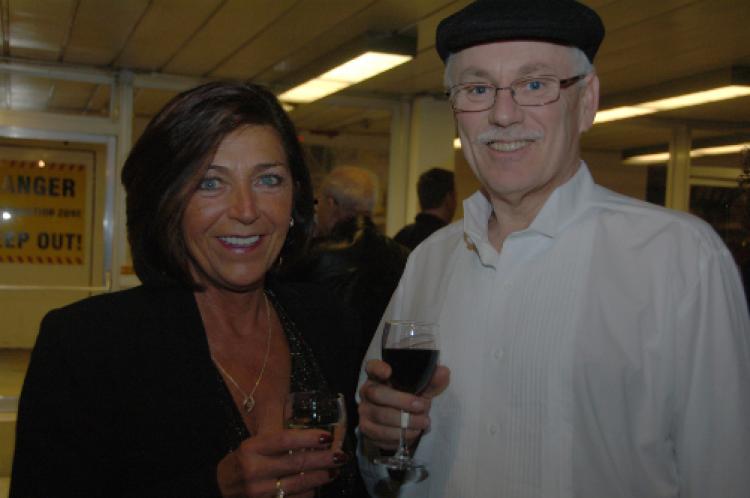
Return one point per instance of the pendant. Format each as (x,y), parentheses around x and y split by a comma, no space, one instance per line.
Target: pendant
(249,403)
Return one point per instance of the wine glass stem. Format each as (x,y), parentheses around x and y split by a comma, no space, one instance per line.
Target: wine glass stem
(403,450)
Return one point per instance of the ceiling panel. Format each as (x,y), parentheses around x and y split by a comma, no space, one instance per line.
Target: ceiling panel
(38,30)
(29,93)
(224,32)
(428,25)
(690,40)
(100,30)
(394,16)
(162,31)
(70,96)
(98,102)
(5,91)
(292,31)
(648,43)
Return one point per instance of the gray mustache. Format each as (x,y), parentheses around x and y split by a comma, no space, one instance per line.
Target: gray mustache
(495,135)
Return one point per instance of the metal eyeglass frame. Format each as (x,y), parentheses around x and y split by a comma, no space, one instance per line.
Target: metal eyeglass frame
(562,85)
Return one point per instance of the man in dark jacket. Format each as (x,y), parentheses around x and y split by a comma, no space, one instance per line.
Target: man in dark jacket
(437,200)
(349,255)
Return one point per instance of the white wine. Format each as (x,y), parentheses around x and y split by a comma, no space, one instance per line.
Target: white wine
(329,428)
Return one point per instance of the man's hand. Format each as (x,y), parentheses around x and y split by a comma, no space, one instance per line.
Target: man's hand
(380,406)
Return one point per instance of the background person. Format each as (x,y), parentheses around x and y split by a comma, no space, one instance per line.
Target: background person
(598,346)
(436,190)
(350,256)
(177,387)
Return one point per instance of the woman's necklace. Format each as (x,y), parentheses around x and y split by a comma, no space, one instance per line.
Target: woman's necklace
(248,401)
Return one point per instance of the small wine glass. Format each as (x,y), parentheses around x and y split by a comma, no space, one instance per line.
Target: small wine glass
(411,350)
(317,410)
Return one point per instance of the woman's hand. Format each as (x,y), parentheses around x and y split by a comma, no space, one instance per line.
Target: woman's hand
(380,406)
(297,461)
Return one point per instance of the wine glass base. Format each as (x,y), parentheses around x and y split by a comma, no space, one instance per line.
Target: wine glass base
(414,474)
(404,470)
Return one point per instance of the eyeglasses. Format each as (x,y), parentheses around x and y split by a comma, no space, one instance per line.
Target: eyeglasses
(526,92)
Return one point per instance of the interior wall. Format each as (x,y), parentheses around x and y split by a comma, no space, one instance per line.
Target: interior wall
(21,307)
(608,171)
(466,182)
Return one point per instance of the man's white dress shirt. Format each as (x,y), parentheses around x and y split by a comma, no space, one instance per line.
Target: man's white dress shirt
(603,353)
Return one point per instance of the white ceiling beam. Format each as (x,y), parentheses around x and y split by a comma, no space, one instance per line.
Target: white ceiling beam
(162,81)
(64,123)
(59,72)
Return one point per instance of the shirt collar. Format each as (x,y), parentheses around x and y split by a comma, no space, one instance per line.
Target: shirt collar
(560,209)
(565,203)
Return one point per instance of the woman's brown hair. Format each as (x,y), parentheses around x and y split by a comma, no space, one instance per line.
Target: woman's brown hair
(165,164)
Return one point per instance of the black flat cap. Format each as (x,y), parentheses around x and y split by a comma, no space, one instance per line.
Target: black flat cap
(565,22)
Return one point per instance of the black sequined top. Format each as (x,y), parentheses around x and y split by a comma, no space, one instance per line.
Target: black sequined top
(306,376)
(122,399)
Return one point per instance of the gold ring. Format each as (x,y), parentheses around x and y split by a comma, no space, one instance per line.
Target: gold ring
(280,493)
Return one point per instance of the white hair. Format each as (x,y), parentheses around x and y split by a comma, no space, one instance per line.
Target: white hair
(579,60)
(354,189)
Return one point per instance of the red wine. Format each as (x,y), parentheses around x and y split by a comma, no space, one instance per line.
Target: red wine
(412,368)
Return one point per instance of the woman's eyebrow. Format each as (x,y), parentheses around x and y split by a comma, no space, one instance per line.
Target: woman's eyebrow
(261,165)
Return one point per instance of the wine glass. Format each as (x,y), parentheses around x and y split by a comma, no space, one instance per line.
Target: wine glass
(411,349)
(317,410)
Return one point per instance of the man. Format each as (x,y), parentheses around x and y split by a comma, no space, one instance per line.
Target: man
(349,255)
(598,346)
(437,200)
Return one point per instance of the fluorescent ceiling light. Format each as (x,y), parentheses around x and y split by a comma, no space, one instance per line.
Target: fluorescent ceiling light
(659,157)
(716,151)
(349,73)
(365,66)
(677,102)
(311,90)
(456,143)
(697,98)
(617,113)
(662,157)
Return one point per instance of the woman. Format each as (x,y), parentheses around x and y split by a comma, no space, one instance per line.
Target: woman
(176,387)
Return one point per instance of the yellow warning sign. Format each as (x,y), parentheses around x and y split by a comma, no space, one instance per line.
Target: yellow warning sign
(42,212)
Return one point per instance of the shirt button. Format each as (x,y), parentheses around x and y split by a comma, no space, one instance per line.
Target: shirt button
(497,353)
(493,429)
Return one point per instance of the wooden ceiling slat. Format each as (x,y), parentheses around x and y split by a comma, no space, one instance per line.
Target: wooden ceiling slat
(238,22)
(428,26)
(621,14)
(383,16)
(289,33)
(165,28)
(101,29)
(708,35)
(38,29)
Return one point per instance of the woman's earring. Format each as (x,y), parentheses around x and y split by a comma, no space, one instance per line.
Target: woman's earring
(291,222)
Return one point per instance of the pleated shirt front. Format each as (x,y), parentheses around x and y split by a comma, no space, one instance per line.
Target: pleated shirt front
(604,352)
